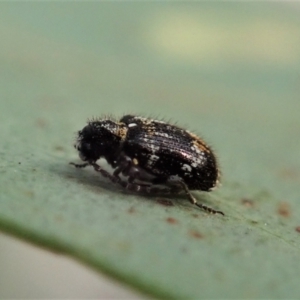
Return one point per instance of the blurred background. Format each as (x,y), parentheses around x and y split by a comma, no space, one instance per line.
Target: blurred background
(229,71)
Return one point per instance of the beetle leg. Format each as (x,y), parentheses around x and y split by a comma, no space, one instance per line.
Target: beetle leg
(174,185)
(104,173)
(132,186)
(116,179)
(192,199)
(123,165)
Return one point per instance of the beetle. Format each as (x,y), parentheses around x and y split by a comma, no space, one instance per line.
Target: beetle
(154,156)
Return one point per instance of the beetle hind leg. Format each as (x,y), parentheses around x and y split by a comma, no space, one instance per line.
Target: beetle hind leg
(192,198)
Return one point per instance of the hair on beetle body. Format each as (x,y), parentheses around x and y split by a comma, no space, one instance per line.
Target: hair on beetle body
(154,156)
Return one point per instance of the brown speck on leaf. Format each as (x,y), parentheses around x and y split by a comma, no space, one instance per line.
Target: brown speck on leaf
(131,210)
(284,209)
(59,218)
(41,123)
(247,202)
(195,234)
(184,250)
(289,174)
(165,202)
(172,220)
(59,148)
(29,194)
(297,229)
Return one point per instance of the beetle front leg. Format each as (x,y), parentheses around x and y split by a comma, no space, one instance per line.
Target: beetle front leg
(106,174)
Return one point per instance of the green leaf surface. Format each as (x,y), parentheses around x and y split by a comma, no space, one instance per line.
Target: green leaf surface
(229,72)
